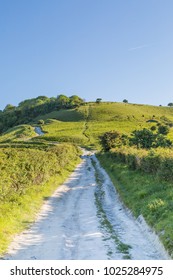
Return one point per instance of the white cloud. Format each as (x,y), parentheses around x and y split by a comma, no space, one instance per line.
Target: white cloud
(139,47)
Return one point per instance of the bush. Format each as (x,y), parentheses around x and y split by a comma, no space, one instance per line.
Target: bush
(146,139)
(113,139)
(158,162)
(143,138)
(40,122)
(150,163)
(165,171)
(163,129)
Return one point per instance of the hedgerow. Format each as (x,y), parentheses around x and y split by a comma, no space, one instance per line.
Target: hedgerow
(157,161)
(23,167)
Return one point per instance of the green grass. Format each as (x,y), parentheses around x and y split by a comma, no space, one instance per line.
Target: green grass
(64,132)
(86,124)
(146,195)
(70,115)
(18,133)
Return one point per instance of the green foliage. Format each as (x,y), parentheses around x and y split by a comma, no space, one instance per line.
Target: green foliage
(153,128)
(163,129)
(75,100)
(143,138)
(98,100)
(161,141)
(29,109)
(158,162)
(63,101)
(28,176)
(147,139)
(113,139)
(20,168)
(125,101)
(40,122)
(9,108)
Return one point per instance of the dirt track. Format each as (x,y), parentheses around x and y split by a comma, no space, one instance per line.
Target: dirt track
(85,219)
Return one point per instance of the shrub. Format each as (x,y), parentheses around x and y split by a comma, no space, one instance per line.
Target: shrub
(143,138)
(113,139)
(150,163)
(165,171)
(153,128)
(163,129)
(40,122)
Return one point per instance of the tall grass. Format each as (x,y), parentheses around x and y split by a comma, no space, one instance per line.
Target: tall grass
(145,194)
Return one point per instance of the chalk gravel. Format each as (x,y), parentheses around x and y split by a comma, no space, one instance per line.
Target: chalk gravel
(69,227)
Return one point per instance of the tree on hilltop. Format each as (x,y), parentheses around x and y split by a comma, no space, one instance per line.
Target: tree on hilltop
(62,100)
(98,100)
(9,107)
(75,100)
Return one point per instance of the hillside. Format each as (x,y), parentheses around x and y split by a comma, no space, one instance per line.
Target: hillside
(85,124)
(143,177)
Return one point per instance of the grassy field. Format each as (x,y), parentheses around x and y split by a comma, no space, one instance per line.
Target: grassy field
(87,123)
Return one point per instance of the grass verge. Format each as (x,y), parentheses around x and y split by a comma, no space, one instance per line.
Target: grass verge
(17,215)
(104,220)
(146,195)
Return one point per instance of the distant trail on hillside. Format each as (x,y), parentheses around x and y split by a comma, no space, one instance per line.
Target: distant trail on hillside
(84,219)
(38,130)
(86,123)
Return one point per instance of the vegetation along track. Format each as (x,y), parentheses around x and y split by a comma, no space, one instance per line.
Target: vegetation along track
(84,219)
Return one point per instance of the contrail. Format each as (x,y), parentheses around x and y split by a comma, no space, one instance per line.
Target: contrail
(139,47)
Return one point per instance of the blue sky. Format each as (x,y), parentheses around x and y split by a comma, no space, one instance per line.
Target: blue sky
(111,49)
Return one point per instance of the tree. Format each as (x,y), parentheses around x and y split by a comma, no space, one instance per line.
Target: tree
(98,100)
(170,104)
(9,108)
(143,138)
(75,100)
(62,100)
(125,101)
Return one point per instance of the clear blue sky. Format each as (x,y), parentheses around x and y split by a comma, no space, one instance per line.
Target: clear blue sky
(112,49)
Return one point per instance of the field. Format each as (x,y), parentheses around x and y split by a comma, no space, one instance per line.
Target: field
(87,123)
